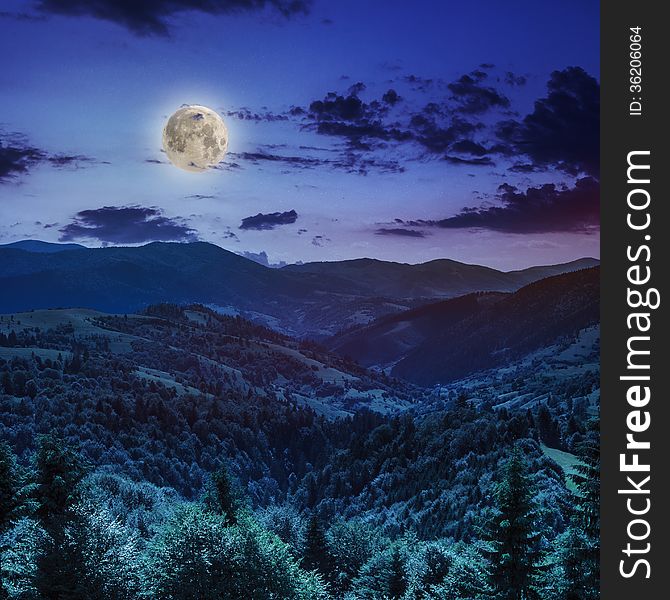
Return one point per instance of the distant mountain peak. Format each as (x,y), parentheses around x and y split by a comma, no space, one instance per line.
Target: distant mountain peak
(41,247)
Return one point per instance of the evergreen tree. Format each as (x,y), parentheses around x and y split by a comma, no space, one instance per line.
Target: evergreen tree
(9,487)
(59,471)
(9,497)
(577,580)
(582,555)
(514,557)
(222,496)
(587,481)
(317,555)
(397,584)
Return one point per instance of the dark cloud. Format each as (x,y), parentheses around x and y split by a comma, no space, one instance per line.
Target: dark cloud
(246,114)
(543,209)
(477,162)
(401,231)
(359,122)
(269,221)
(473,97)
(18,156)
(436,135)
(525,168)
(447,127)
(71,161)
(350,161)
(256,158)
(152,17)
(469,147)
(563,131)
(199,197)
(391,97)
(418,83)
(456,127)
(126,225)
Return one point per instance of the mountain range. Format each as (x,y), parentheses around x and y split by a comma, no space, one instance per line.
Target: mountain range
(315,300)
(451,339)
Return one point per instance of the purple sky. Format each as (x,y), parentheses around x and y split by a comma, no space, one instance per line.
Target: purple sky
(397,130)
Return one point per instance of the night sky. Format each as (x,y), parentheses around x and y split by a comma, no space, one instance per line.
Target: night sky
(390,129)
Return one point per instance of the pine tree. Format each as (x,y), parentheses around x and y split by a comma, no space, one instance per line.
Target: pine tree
(222,497)
(317,555)
(9,487)
(59,471)
(397,584)
(9,497)
(587,481)
(514,558)
(582,557)
(577,581)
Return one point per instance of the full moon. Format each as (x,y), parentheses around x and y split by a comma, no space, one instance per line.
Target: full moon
(195,138)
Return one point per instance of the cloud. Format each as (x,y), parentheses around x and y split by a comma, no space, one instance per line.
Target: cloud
(477,162)
(152,17)
(436,135)
(473,97)
(246,114)
(256,158)
(269,221)
(62,161)
(351,161)
(544,209)
(126,225)
(401,231)
(563,131)
(18,157)
(262,259)
(385,131)
(359,122)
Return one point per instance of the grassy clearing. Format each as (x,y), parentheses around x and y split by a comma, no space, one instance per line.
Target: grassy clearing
(565,460)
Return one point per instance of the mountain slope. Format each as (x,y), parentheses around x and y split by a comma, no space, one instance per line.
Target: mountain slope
(316,300)
(441,278)
(454,338)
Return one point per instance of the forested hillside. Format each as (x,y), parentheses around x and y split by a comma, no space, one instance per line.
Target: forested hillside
(181,453)
(446,341)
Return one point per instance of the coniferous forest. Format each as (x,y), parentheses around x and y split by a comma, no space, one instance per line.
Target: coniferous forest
(185,454)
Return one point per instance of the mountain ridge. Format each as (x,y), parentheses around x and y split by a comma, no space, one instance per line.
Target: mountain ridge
(303,300)
(442,341)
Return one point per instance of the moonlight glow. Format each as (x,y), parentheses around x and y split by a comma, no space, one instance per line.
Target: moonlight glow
(195,138)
